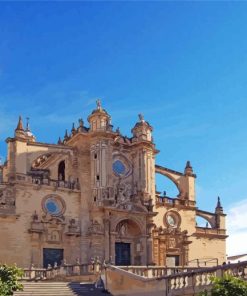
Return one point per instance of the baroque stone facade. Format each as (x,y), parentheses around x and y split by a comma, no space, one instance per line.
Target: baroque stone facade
(93,194)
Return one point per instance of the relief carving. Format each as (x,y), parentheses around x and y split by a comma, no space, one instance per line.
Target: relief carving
(7,198)
(95,227)
(122,191)
(53,227)
(73,227)
(171,241)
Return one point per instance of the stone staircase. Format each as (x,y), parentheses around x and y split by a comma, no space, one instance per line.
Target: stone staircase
(59,289)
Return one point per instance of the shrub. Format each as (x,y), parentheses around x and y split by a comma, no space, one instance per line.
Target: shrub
(9,279)
(227,286)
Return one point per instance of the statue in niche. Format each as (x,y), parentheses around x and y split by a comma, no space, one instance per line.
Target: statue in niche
(123,228)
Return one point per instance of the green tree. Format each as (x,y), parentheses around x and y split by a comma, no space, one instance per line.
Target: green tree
(9,280)
(227,286)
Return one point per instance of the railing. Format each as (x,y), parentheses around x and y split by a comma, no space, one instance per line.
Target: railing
(165,200)
(201,279)
(60,271)
(180,283)
(156,271)
(205,230)
(39,180)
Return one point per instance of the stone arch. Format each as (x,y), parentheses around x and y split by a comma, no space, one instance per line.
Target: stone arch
(132,221)
(208,217)
(128,228)
(165,186)
(166,173)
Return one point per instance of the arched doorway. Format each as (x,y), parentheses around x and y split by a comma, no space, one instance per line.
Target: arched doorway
(129,245)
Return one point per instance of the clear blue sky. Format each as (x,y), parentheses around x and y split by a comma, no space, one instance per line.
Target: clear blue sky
(182,64)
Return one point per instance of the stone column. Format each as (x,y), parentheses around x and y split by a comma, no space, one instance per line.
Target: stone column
(84,249)
(149,251)
(144,257)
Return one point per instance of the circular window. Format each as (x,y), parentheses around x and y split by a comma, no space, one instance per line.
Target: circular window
(119,168)
(53,205)
(172,219)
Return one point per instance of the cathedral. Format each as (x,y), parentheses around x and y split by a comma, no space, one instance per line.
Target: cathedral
(93,195)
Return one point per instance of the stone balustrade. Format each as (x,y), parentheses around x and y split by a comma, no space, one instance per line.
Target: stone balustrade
(178,281)
(206,231)
(193,282)
(165,200)
(47,181)
(156,271)
(60,271)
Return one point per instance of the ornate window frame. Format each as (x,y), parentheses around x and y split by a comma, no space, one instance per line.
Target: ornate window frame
(125,162)
(176,218)
(58,200)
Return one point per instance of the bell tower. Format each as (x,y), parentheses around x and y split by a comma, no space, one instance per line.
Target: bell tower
(145,158)
(99,119)
(100,153)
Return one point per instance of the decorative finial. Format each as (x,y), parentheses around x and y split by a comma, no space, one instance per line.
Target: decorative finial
(98,102)
(218,202)
(141,117)
(188,169)
(59,141)
(188,165)
(73,130)
(27,126)
(19,125)
(81,122)
(66,136)
(219,208)
(118,131)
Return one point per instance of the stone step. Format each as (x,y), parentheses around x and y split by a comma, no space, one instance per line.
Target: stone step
(59,289)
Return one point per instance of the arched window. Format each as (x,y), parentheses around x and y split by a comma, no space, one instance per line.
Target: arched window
(61,171)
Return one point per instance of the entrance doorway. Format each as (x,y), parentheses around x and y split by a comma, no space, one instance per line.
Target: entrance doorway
(172,260)
(50,256)
(122,251)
